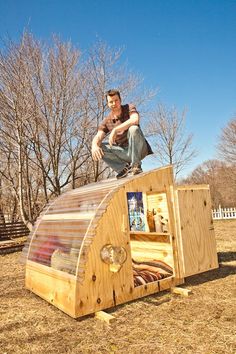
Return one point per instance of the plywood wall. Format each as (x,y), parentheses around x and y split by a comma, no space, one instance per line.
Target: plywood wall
(197,231)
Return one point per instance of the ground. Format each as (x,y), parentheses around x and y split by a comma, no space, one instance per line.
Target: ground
(204,322)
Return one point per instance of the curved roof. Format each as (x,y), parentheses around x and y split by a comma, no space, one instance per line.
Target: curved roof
(67,225)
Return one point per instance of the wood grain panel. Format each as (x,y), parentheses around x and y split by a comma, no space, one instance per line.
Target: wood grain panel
(197,231)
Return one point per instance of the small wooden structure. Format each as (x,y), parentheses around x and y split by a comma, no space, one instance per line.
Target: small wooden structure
(11,230)
(113,241)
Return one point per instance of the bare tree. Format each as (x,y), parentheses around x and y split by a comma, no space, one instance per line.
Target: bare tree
(227,142)
(9,203)
(2,217)
(15,114)
(59,130)
(51,104)
(221,178)
(38,103)
(172,145)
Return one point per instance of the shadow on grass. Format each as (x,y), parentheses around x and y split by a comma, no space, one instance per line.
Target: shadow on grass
(223,271)
(226,256)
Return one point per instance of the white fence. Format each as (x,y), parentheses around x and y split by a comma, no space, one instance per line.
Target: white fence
(224,213)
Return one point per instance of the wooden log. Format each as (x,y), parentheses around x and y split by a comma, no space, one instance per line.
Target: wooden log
(104,316)
(180,291)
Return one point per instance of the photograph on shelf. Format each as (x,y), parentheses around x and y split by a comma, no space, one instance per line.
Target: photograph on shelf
(136,211)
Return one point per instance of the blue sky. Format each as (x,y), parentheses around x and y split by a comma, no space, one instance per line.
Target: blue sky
(186,48)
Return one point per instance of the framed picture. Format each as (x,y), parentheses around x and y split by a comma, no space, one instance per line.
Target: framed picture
(136,211)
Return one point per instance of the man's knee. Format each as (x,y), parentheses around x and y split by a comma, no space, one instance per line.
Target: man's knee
(105,147)
(133,130)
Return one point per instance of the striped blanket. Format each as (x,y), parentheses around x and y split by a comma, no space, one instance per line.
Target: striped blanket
(146,272)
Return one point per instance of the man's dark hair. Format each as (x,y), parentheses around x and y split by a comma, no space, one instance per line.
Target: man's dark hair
(112,92)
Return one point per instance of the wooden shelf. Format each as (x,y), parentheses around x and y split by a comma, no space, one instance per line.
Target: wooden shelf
(150,236)
(149,233)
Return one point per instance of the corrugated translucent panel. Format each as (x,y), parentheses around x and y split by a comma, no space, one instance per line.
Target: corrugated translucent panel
(107,184)
(80,203)
(56,243)
(59,233)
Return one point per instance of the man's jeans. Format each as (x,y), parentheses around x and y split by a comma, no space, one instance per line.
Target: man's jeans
(117,157)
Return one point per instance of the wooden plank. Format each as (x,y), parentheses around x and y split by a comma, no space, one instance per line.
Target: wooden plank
(169,282)
(151,288)
(49,272)
(171,205)
(151,248)
(197,232)
(193,187)
(59,291)
(152,236)
(13,230)
(13,234)
(178,249)
(20,223)
(13,227)
(181,291)
(104,316)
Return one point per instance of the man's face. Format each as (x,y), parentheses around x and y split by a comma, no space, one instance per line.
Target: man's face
(114,103)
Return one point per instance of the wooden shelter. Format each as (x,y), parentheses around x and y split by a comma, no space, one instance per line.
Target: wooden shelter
(113,241)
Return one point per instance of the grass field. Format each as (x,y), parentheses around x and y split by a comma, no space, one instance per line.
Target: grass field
(204,322)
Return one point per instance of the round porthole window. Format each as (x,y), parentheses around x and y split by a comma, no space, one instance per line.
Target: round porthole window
(114,256)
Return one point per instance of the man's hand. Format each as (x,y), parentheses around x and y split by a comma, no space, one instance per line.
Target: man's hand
(97,153)
(112,137)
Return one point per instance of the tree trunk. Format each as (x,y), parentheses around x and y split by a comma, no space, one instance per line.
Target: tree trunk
(21,194)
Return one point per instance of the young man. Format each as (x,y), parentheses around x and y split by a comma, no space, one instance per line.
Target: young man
(126,146)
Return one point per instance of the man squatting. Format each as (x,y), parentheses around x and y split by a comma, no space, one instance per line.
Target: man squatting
(126,145)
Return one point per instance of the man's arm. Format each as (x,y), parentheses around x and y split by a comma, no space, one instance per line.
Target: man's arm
(133,120)
(97,152)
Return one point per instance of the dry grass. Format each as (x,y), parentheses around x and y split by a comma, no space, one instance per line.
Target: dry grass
(205,322)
